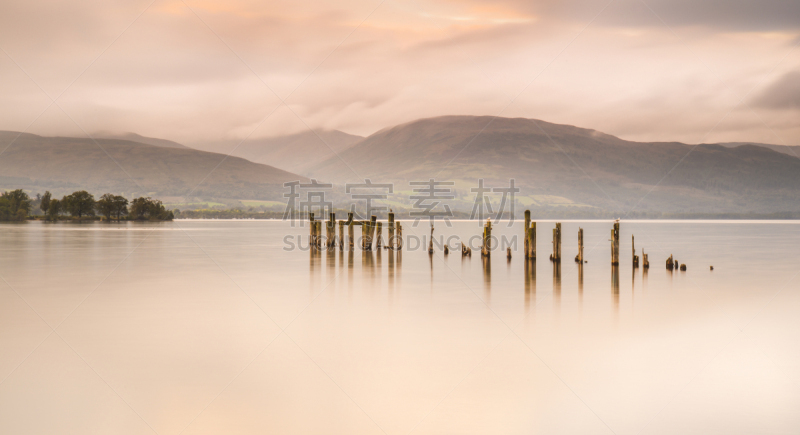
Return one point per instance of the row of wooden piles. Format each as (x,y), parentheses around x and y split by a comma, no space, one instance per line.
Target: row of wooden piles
(371,233)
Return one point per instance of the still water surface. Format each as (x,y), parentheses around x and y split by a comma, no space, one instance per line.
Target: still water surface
(211,327)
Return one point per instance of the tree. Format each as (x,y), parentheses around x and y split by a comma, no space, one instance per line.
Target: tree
(53,209)
(14,205)
(44,203)
(80,203)
(147,208)
(120,206)
(105,205)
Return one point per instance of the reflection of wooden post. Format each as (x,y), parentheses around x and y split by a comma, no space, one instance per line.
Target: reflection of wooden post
(390,242)
(378,244)
(579,257)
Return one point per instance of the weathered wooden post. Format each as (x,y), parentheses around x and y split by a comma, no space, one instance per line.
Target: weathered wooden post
(373,225)
(486,249)
(556,256)
(527,245)
(311,228)
(378,236)
(508,253)
(645,261)
(615,244)
(330,232)
(579,257)
(390,242)
(532,241)
(341,235)
(399,236)
(351,240)
(635,257)
(364,235)
(670,262)
(430,242)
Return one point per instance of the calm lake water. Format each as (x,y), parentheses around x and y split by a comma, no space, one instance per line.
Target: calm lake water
(211,327)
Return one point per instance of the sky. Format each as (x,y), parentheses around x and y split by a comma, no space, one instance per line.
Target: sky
(197,70)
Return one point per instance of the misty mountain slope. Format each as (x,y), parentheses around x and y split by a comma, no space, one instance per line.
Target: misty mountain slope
(295,153)
(62,164)
(133,137)
(583,165)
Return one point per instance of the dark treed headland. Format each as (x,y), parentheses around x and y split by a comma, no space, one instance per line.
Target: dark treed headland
(16,205)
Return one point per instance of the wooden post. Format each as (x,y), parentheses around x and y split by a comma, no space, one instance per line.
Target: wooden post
(635,257)
(373,224)
(579,257)
(645,261)
(378,244)
(532,240)
(486,249)
(311,227)
(556,256)
(390,242)
(615,244)
(430,242)
(330,231)
(341,235)
(350,232)
(399,236)
(527,246)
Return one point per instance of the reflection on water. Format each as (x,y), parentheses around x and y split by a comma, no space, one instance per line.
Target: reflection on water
(212,327)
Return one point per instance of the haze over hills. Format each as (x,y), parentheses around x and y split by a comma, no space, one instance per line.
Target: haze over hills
(133,137)
(295,153)
(63,164)
(562,164)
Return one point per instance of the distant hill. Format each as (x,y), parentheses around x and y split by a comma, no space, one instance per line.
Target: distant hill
(64,164)
(565,165)
(295,153)
(133,137)
(792,150)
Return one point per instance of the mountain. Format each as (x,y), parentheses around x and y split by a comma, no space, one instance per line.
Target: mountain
(65,164)
(133,137)
(295,153)
(562,165)
(792,150)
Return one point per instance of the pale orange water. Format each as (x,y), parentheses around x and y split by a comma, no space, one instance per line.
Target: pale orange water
(211,327)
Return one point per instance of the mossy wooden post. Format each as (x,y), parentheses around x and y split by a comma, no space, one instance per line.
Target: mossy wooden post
(390,241)
(378,236)
(579,257)
(486,249)
(527,245)
(311,228)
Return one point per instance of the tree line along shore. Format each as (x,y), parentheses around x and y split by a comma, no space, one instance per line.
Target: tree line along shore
(16,205)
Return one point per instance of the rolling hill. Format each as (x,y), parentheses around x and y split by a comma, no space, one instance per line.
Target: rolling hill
(64,164)
(133,137)
(294,153)
(569,166)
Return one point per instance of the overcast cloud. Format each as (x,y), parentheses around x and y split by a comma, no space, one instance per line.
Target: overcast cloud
(643,70)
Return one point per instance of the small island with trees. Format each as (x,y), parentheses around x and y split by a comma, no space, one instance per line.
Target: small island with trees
(81,205)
